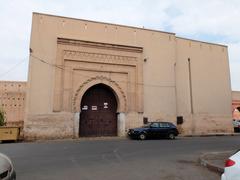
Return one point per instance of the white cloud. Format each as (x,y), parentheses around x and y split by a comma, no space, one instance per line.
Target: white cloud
(210,20)
(215,17)
(235,70)
(234,56)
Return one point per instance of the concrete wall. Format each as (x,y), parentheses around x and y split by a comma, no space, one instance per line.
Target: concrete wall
(159,49)
(205,103)
(165,76)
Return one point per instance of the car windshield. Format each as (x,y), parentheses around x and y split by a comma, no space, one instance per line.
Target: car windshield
(146,125)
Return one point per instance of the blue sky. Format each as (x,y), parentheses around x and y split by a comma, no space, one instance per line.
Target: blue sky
(216,21)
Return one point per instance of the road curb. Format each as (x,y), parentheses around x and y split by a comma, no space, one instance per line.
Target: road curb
(205,160)
(210,166)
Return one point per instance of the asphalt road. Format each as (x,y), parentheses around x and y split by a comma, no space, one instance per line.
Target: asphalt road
(116,159)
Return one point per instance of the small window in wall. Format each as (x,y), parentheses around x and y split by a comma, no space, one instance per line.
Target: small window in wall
(145,120)
(179,119)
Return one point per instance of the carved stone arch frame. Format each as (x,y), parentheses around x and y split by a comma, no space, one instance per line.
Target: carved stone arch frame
(117,90)
(119,94)
(98,60)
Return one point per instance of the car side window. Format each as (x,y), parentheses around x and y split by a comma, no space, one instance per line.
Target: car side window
(154,125)
(161,125)
(164,125)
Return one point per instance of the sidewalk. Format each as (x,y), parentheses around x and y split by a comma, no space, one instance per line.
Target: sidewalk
(215,161)
(210,134)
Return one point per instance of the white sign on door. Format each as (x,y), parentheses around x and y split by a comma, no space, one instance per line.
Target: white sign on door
(94,108)
(85,107)
(105,105)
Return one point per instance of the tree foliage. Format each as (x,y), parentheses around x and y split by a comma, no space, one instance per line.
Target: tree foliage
(2,116)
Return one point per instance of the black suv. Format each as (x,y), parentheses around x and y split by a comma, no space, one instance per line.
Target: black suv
(154,130)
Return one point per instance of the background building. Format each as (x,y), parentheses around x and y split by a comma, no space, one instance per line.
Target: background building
(96,79)
(236,104)
(12,101)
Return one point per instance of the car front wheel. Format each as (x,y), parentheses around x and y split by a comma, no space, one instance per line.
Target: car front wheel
(142,136)
(171,136)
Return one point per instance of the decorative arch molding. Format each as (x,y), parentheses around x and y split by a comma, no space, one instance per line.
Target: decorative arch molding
(117,90)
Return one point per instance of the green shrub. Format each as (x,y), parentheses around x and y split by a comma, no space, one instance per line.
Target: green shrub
(2,117)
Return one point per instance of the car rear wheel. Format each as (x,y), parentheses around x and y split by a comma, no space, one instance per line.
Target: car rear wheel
(142,136)
(171,136)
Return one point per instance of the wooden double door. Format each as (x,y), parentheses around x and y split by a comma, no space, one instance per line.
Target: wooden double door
(98,115)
